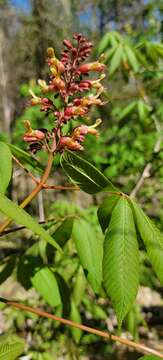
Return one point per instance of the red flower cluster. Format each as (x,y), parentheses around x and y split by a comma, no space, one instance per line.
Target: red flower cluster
(66,80)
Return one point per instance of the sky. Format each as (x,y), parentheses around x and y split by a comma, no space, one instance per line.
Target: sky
(21,4)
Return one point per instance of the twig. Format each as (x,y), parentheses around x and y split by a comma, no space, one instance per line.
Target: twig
(137,346)
(6,232)
(60,187)
(46,186)
(25,169)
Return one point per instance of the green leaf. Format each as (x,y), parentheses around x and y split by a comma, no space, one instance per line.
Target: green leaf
(10,347)
(105,210)
(79,287)
(63,232)
(104,43)
(152,238)
(5,166)
(14,212)
(108,54)
(90,253)
(121,259)
(8,269)
(75,316)
(45,283)
(116,60)
(27,158)
(131,58)
(84,174)
(149,357)
(127,110)
(26,268)
(65,294)
(143,110)
(159,50)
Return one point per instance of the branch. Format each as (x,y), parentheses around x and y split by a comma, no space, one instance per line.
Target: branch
(137,346)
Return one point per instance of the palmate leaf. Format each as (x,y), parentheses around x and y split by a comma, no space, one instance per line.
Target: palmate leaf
(84,174)
(10,347)
(116,59)
(104,43)
(19,215)
(90,251)
(131,58)
(5,166)
(121,259)
(152,238)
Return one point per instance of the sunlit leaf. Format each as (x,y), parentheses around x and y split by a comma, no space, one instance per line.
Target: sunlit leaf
(131,58)
(13,211)
(11,347)
(121,259)
(116,60)
(45,283)
(89,248)
(152,238)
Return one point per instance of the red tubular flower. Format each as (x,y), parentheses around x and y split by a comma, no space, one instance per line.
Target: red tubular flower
(94,66)
(58,83)
(68,44)
(69,143)
(32,135)
(75,111)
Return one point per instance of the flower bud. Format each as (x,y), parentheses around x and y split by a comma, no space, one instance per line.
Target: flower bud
(50,52)
(58,83)
(43,85)
(32,135)
(95,66)
(69,143)
(75,110)
(35,99)
(68,44)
